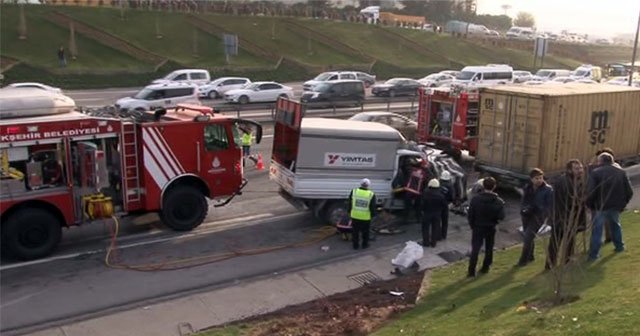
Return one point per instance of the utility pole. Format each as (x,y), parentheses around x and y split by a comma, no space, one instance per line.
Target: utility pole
(635,50)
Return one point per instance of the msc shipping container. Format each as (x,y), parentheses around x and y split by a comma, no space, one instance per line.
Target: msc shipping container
(544,126)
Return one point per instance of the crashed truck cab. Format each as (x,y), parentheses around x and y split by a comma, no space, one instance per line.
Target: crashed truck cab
(61,167)
(318,161)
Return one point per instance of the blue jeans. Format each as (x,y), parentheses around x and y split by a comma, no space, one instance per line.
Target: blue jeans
(612,218)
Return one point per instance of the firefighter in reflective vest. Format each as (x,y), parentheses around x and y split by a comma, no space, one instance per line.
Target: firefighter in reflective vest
(247,138)
(362,207)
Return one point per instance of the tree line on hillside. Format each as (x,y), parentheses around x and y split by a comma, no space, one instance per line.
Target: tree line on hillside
(435,11)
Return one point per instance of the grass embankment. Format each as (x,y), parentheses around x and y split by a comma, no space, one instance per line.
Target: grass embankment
(604,298)
(308,45)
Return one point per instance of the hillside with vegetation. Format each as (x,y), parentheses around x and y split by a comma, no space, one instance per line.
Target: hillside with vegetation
(108,47)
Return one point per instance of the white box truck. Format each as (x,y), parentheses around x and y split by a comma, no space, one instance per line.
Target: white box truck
(318,161)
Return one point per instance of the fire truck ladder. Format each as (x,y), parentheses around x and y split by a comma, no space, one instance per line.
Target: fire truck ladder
(130,165)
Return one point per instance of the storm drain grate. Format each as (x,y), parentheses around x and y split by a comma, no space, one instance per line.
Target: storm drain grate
(364,278)
(451,256)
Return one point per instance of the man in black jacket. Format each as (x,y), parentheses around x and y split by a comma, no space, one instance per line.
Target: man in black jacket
(608,193)
(485,211)
(433,203)
(535,210)
(569,212)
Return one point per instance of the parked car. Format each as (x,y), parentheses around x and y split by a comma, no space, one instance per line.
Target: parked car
(561,80)
(366,78)
(217,88)
(36,86)
(404,125)
(344,92)
(520,33)
(396,87)
(588,71)
(436,79)
(191,76)
(549,74)
(160,95)
(453,73)
(520,76)
(327,77)
(258,92)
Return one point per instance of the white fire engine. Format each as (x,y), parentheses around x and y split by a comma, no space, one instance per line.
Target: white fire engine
(61,167)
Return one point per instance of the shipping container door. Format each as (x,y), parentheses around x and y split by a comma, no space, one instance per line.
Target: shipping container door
(493,127)
(524,133)
(510,130)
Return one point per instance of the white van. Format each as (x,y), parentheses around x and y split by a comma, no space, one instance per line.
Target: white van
(587,71)
(484,75)
(520,33)
(191,76)
(160,95)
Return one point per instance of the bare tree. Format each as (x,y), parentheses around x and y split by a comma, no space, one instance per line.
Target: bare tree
(525,19)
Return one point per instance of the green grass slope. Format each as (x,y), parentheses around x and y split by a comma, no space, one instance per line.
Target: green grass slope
(44,38)
(607,292)
(307,45)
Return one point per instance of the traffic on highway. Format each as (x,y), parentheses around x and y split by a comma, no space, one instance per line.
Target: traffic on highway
(177,184)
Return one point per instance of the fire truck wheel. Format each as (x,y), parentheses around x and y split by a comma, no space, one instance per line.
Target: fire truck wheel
(31,234)
(184,208)
(335,212)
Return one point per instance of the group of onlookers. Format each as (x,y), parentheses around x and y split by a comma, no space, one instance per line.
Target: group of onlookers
(564,203)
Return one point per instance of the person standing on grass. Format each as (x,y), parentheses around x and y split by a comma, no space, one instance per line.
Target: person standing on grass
(485,211)
(569,212)
(608,193)
(61,58)
(592,166)
(535,209)
(361,208)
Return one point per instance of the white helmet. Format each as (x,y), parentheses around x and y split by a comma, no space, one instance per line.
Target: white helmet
(434,183)
(365,182)
(445,176)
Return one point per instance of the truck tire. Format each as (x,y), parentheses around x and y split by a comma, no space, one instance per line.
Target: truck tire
(334,212)
(31,234)
(183,208)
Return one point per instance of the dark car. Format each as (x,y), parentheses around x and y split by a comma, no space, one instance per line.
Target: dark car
(366,78)
(406,126)
(338,93)
(397,87)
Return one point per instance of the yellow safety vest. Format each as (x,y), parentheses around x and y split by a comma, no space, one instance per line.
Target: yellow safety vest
(360,201)
(246,139)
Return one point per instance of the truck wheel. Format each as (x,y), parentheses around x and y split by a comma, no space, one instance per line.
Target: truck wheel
(335,212)
(31,234)
(184,208)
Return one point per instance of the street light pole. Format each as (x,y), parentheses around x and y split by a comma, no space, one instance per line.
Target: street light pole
(635,50)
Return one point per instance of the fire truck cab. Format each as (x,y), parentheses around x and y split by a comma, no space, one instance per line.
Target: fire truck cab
(72,168)
(448,117)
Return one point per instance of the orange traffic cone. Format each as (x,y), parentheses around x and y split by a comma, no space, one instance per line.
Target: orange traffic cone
(259,164)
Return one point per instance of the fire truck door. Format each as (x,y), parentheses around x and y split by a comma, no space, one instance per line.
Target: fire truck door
(220,159)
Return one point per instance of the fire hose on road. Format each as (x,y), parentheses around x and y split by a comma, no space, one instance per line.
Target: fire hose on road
(110,259)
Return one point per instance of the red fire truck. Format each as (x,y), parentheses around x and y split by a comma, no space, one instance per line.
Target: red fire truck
(448,117)
(72,168)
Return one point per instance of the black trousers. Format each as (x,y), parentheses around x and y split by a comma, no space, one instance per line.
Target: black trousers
(360,228)
(430,229)
(411,204)
(480,235)
(445,223)
(555,243)
(530,226)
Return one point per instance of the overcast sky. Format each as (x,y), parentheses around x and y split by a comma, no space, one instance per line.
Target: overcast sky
(604,18)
